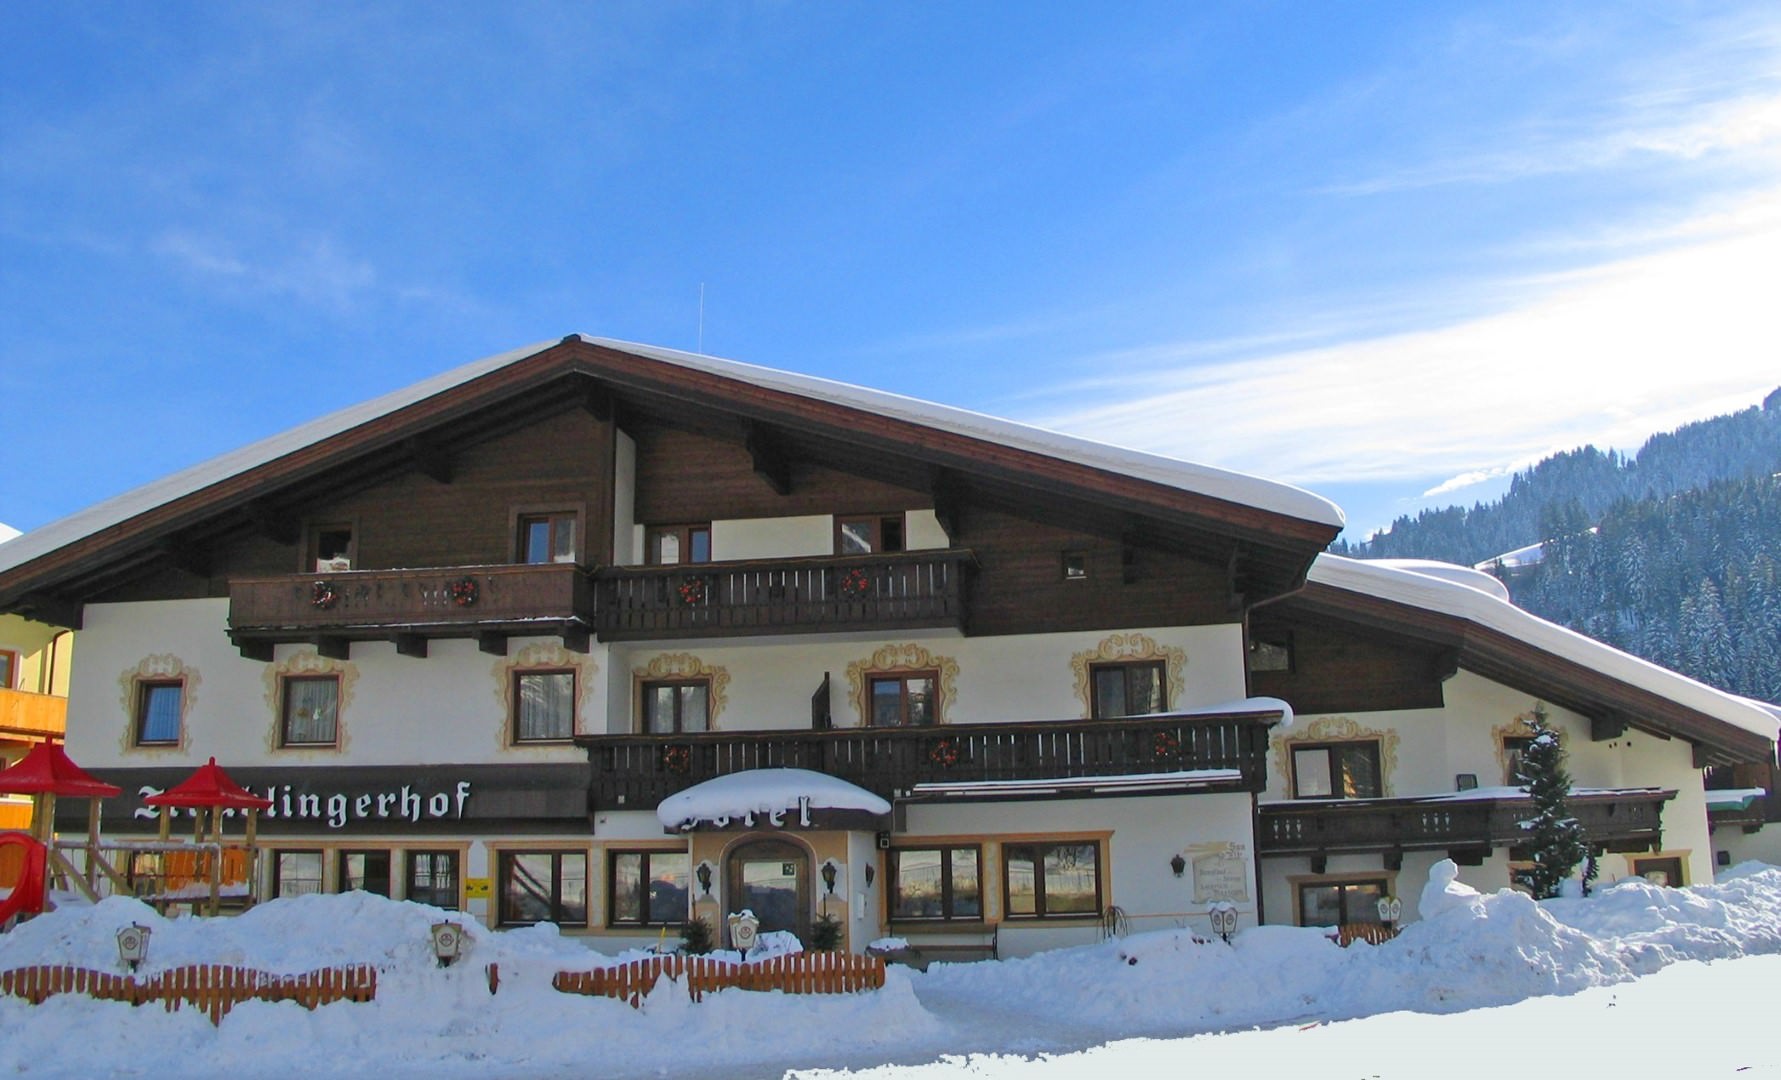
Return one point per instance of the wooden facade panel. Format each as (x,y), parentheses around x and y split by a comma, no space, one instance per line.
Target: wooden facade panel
(1334,671)
(686,476)
(1020,586)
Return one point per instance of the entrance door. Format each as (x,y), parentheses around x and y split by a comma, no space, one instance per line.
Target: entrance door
(772,879)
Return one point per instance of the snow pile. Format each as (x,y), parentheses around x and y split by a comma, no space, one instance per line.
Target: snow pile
(770,793)
(1445,892)
(1469,951)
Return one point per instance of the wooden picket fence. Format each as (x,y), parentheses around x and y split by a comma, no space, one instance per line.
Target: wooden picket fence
(1371,933)
(796,973)
(214,988)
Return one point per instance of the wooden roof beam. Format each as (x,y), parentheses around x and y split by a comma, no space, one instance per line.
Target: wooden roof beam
(274,525)
(430,458)
(771,462)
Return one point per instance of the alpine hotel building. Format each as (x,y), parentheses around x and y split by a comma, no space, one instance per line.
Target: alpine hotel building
(609,635)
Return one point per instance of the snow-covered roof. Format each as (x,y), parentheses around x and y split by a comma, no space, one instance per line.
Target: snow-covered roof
(1733,798)
(1459,575)
(769,793)
(1439,594)
(1205,480)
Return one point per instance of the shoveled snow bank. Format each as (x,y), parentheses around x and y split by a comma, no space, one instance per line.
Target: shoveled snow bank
(767,792)
(1469,951)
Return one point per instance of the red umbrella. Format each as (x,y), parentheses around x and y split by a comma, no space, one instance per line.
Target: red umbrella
(209,786)
(47,770)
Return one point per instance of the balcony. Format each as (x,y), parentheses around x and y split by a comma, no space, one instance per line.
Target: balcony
(24,714)
(1629,820)
(639,771)
(489,603)
(902,591)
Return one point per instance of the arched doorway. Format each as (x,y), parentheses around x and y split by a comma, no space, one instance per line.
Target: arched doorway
(772,879)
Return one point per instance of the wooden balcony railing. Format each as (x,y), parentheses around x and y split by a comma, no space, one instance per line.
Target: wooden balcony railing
(639,771)
(25,713)
(906,590)
(458,601)
(1618,820)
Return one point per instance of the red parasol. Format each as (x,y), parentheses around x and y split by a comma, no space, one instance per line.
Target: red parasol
(47,770)
(209,786)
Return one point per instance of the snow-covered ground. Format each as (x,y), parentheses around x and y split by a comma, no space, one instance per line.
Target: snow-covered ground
(1133,1004)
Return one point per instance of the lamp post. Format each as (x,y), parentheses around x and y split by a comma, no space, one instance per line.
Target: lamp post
(132,945)
(1391,909)
(448,942)
(1224,919)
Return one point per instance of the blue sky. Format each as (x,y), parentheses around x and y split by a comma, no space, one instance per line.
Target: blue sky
(1377,250)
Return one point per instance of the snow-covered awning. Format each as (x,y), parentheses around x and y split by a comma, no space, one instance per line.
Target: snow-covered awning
(1081,786)
(782,798)
(1734,798)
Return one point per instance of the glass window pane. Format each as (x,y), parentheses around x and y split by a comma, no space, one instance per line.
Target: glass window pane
(1360,902)
(627,892)
(7,662)
(1311,774)
(694,706)
(659,705)
(856,538)
(433,878)
(310,710)
(537,541)
(366,870)
(921,701)
(669,876)
(1320,905)
(572,889)
(701,545)
(546,703)
(1360,771)
(887,702)
(525,887)
(667,548)
(1144,690)
(299,873)
(916,889)
(1109,692)
(967,900)
(1023,899)
(160,713)
(1070,880)
(564,550)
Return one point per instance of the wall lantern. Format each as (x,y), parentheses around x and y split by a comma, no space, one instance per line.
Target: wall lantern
(132,945)
(448,942)
(1391,909)
(829,873)
(872,872)
(1178,864)
(704,875)
(1224,919)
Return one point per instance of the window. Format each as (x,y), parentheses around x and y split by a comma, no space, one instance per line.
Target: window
(158,707)
(368,871)
(331,547)
(1661,871)
(868,534)
(935,883)
(1135,689)
(671,545)
(679,705)
(543,706)
(1347,770)
(1514,748)
(296,873)
(543,886)
(1075,566)
(311,711)
(1270,654)
(547,538)
(433,878)
(904,700)
(1338,903)
(649,888)
(1048,881)
(9,669)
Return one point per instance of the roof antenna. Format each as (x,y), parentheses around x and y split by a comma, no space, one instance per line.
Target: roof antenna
(701,318)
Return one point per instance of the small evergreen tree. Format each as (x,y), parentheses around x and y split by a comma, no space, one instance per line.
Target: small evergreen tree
(695,937)
(1554,837)
(825,934)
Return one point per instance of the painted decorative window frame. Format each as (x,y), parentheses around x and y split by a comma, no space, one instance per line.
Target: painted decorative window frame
(1522,727)
(907,658)
(680,667)
(159,668)
(301,665)
(1335,729)
(541,657)
(1123,649)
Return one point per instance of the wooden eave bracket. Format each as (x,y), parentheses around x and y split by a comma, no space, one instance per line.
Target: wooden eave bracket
(53,610)
(186,556)
(1607,725)
(334,648)
(1445,664)
(771,463)
(1236,580)
(278,527)
(414,645)
(430,459)
(948,504)
(594,399)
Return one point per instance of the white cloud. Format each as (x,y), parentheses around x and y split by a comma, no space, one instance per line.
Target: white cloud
(1604,356)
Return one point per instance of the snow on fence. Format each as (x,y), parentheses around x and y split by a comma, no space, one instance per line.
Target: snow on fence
(215,988)
(797,973)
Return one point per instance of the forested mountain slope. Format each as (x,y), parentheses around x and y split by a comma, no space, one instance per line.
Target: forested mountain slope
(1682,564)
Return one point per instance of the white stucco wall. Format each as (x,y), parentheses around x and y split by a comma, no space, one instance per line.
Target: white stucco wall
(772,538)
(923,532)
(627,545)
